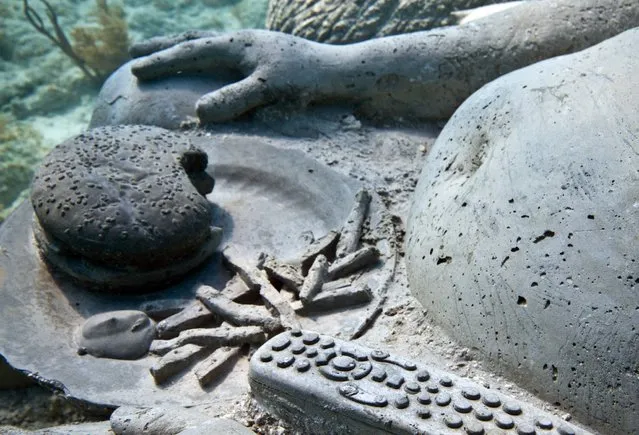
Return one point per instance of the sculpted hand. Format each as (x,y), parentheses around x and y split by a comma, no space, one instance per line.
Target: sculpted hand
(275,66)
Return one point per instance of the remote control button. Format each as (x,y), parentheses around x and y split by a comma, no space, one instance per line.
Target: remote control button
(424,398)
(333,375)
(432,388)
(423,413)
(378,374)
(379,355)
(544,423)
(446,381)
(303,365)
(362,370)
(324,357)
(512,408)
(565,430)
(442,399)
(395,381)
(298,348)
(526,429)
(463,406)
(296,332)
(326,343)
(311,353)
(483,414)
(266,357)
(412,388)
(504,421)
(471,393)
(356,394)
(343,363)
(453,421)
(310,338)
(402,402)
(354,353)
(491,400)
(285,361)
(423,375)
(474,428)
(280,343)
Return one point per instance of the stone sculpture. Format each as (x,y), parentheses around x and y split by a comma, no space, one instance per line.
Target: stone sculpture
(442,67)
(125,207)
(424,75)
(523,230)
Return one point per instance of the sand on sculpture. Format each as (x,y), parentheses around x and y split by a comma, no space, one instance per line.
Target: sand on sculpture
(523,230)
(546,233)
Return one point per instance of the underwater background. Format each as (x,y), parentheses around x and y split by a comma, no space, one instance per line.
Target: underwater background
(46,98)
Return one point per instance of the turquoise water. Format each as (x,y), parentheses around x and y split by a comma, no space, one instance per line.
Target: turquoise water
(45,98)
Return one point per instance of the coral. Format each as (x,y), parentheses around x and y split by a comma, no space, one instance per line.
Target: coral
(103,47)
(98,49)
(20,151)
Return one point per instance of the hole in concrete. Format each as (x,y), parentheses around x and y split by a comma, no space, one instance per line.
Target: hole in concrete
(547,233)
(522,301)
(442,260)
(546,304)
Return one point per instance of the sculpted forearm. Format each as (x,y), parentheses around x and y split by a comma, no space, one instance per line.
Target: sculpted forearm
(429,74)
(424,75)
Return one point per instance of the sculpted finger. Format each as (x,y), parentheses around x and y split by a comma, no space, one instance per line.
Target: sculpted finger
(197,56)
(158,43)
(233,100)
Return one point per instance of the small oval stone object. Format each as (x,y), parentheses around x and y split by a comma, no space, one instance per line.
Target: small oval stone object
(125,334)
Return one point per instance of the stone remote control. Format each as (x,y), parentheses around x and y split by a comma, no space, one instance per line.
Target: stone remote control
(326,385)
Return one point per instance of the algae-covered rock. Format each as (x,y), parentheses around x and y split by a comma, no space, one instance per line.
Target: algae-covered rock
(339,22)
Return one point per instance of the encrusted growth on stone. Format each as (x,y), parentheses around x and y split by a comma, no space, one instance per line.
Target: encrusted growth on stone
(123,197)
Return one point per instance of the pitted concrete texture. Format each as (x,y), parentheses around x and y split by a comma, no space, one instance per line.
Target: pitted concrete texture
(338,22)
(523,240)
(123,196)
(167,103)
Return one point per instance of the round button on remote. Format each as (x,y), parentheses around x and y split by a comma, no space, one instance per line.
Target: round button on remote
(280,343)
(343,363)
(491,400)
(471,393)
(285,361)
(483,414)
(474,428)
(504,421)
(402,402)
(303,365)
(525,429)
(310,338)
(544,423)
(512,408)
(453,421)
